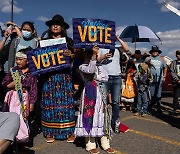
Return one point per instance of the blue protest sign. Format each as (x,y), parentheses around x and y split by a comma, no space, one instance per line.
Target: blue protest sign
(89,32)
(47,59)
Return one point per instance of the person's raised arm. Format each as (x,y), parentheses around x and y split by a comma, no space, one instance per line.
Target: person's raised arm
(3,41)
(124,46)
(15,26)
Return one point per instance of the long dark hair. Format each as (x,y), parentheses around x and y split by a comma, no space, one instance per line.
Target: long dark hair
(30,24)
(48,35)
(63,32)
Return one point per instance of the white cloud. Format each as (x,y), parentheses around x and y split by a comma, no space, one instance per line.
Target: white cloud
(5,6)
(42,18)
(7,9)
(170,39)
(170,42)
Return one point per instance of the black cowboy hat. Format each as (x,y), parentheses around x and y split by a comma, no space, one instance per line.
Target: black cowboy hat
(155,48)
(57,19)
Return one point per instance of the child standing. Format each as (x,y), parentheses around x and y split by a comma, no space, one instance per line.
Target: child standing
(93,118)
(144,78)
(128,69)
(22,93)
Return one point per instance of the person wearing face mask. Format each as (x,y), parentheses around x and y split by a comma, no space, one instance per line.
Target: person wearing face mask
(26,38)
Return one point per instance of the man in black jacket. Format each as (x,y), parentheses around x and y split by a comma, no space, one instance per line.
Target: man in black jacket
(175,71)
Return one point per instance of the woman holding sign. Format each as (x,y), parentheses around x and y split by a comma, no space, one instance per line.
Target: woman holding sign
(58,112)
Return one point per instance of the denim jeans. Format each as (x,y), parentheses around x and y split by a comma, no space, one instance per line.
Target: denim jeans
(156,89)
(176,97)
(143,102)
(113,86)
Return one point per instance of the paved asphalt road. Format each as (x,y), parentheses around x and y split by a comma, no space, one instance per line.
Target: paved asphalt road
(155,134)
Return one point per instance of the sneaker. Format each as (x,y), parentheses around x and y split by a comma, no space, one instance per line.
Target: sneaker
(144,115)
(136,114)
(124,109)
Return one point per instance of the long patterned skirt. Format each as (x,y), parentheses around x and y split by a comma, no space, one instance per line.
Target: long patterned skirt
(58,112)
(101,120)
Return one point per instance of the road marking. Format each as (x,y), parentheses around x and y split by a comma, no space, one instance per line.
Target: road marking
(119,152)
(142,118)
(127,118)
(155,137)
(42,146)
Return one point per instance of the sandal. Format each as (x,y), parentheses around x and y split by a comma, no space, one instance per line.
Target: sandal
(110,150)
(94,151)
(71,139)
(50,139)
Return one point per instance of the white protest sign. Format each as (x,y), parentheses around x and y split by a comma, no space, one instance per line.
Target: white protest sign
(50,42)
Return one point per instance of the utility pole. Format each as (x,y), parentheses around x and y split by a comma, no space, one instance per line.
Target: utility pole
(12,10)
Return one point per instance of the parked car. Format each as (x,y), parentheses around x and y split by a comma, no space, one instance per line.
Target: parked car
(167,85)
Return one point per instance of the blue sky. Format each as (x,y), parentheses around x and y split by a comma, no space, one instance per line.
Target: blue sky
(150,13)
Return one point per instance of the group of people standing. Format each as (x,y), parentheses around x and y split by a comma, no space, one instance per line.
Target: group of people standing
(56,88)
(100,73)
(150,76)
(149,73)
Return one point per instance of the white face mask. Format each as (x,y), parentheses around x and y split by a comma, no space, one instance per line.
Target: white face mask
(26,34)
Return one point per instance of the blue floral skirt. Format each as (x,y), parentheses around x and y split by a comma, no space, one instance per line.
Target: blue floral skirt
(58,112)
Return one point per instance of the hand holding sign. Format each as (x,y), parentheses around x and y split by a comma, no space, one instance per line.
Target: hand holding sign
(67,53)
(107,55)
(95,49)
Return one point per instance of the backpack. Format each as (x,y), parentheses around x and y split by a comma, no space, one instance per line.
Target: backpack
(151,65)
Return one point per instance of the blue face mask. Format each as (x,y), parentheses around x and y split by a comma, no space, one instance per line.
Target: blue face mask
(26,34)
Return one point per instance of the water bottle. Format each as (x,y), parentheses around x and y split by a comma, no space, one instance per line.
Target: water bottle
(9,29)
(117,123)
